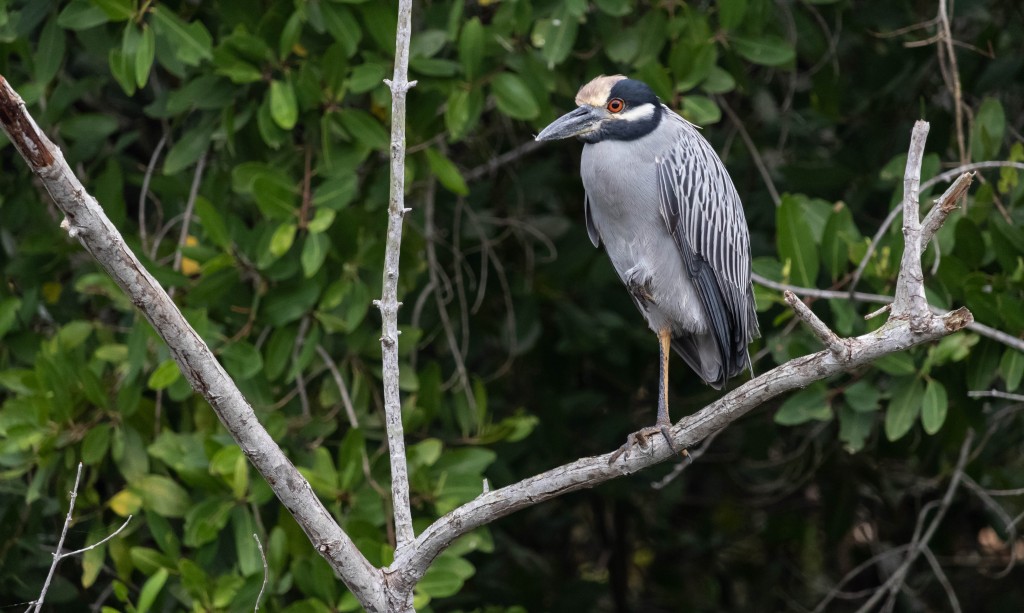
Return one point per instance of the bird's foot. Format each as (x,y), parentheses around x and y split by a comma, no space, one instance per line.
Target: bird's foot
(642,437)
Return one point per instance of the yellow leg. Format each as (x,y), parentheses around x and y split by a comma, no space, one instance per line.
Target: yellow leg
(665,346)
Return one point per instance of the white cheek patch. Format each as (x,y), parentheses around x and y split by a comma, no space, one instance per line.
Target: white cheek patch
(639,113)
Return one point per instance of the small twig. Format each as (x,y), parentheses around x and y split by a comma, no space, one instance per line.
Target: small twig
(144,192)
(57,554)
(885,308)
(346,400)
(692,456)
(495,163)
(948,202)
(822,331)
(954,604)
(300,381)
(996,394)
(1008,523)
(266,571)
(954,76)
(193,193)
(752,148)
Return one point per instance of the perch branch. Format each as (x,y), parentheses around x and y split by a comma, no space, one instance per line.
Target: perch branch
(388,304)
(86,221)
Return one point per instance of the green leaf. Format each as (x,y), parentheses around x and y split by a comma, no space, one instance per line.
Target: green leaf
(795,243)
(471,48)
(615,8)
(839,234)
(854,428)
(144,56)
(95,444)
(806,405)
(767,50)
(987,130)
(862,396)
(718,81)
(555,38)
(163,495)
(282,239)
(513,96)
(731,12)
(164,375)
(188,149)
(463,112)
(151,589)
(365,128)
(1012,368)
(446,172)
(366,77)
(701,110)
(283,106)
(903,408)
(934,406)
(49,52)
(81,15)
(116,10)
(242,360)
(9,308)
(213,223)
(206,520)
(191,41)
(336,192)
(122,67)
(314,252)
(342,25)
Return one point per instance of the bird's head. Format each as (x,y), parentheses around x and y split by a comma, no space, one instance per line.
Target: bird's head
(610,108)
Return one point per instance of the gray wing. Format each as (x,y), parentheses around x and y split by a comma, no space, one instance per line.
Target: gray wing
(705,217)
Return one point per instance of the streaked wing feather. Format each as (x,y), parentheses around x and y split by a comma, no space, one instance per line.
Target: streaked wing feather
(705,217)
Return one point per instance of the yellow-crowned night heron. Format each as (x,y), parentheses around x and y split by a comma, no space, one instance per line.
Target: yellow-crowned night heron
(660,200)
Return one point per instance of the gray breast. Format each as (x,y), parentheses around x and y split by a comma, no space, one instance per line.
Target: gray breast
(622,185)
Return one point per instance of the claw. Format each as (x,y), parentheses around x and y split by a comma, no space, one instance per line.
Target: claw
(641,438)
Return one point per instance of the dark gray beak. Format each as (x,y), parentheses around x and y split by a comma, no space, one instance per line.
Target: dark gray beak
(582,120)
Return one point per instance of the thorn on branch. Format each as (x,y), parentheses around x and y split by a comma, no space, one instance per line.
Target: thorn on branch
(403,86)
(829,338)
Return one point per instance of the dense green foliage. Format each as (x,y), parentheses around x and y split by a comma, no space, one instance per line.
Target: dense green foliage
(520,349)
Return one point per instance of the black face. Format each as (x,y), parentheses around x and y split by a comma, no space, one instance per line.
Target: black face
(633,94)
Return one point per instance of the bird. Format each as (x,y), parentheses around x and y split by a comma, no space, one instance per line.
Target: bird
(662,204)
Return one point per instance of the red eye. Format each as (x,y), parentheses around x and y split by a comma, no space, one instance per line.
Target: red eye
(615,105)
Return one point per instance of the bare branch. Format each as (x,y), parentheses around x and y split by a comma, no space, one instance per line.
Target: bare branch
(980,328)
(60,543)
(58,555)
(388,304)
(910,302)
(190,204)
(87,222)
(996,394)
(921,540)
(948,202)
(822,331)
(266,571)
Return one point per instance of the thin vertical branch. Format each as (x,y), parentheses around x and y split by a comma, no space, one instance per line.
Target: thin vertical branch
(388,304)
(910,301)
